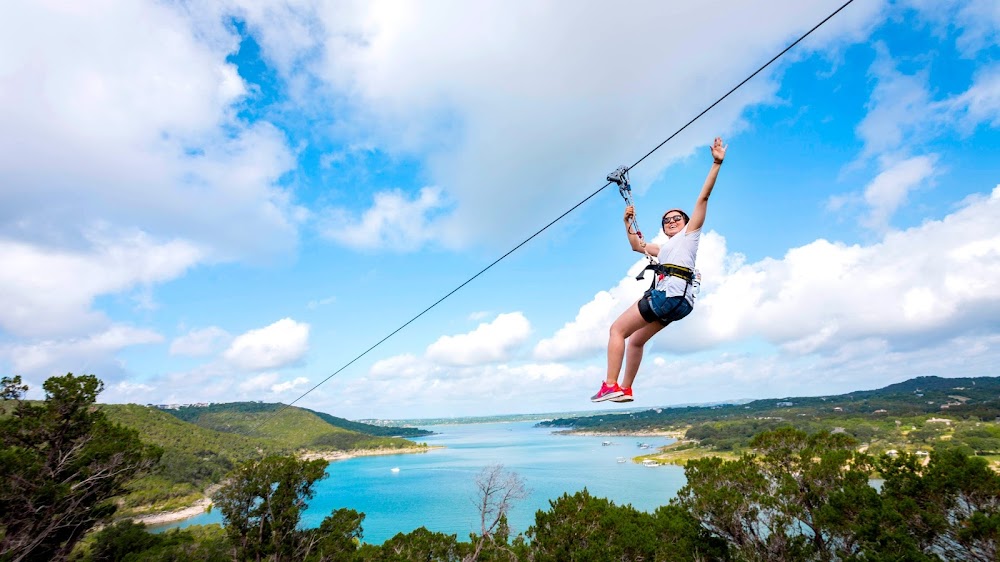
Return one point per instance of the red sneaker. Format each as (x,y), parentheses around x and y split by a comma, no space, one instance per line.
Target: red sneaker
(625,397)
(607,392)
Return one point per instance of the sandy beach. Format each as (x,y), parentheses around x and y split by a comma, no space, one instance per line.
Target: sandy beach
(163,517)
(200,506)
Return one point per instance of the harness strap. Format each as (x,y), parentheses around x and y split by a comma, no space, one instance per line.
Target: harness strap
(670,269)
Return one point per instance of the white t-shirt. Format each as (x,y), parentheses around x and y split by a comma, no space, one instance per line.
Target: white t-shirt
(680,249)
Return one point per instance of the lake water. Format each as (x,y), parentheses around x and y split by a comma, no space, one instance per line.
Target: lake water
(437,489)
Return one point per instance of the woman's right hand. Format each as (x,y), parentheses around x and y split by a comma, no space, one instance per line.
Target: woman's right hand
(629,214)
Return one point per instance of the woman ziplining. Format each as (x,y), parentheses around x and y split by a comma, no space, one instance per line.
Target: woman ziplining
(670,298)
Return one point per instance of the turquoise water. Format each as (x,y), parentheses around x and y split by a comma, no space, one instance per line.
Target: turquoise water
(437,489)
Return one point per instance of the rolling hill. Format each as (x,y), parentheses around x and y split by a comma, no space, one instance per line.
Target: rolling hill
(201,445)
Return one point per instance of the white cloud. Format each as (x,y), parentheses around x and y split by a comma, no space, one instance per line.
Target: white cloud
(126,388)
(140,105)
(47,291)
(489,343)
(92,353)
(888,191)
(201,343)
(280,344)
(976,22)
(314,304)
(900,107)
(941,278)
(410,384)
(289,385)
(258,382)
(981,102)
(393,223)
(902,112)
(530,94)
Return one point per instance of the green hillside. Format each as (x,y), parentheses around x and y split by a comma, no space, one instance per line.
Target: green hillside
(920,414)
(200,450)
(379,431)
(242,417)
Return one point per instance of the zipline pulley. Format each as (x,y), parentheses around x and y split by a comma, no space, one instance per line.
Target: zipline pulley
(619,177)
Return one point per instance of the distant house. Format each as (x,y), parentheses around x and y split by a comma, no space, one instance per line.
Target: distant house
(785,404)
(921,453)
(945,421)
(892,452)
(838,409)
(881,411)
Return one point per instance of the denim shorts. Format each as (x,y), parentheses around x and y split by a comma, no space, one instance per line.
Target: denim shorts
(657,306)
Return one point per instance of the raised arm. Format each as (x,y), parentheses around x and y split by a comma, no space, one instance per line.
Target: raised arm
(701,205)
(637,243)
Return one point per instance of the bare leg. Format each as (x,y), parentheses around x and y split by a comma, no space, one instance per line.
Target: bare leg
(634,348)
(627,324)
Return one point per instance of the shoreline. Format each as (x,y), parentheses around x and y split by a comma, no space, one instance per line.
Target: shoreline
(675,434)
(205,503)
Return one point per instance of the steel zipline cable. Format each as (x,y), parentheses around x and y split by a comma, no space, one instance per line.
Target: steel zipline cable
(557,219)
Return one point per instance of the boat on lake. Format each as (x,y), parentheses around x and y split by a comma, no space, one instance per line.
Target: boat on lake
(650,462)
(621,460)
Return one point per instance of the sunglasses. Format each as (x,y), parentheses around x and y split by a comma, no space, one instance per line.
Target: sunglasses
(675,218)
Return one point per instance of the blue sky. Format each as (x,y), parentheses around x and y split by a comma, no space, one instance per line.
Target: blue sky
(222,201)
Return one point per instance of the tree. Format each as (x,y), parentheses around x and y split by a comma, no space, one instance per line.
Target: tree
(126,541)
(417,545)
(61,463)
(950,507)
(800,497)
(496,489)
(337,537)
(262,504)
(582,527)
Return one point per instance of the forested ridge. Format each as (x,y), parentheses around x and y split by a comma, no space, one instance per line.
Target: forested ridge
(212,414)
(202,444)
(66,464)
(916,416)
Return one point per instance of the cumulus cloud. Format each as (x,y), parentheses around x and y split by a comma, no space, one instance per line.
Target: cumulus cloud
(46,291)
(289,385)
(201,342)
(935,280)
(493,124)
(490,342)
(141,105)
(420,385)
(280,344)
(393,223)
(92,353)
